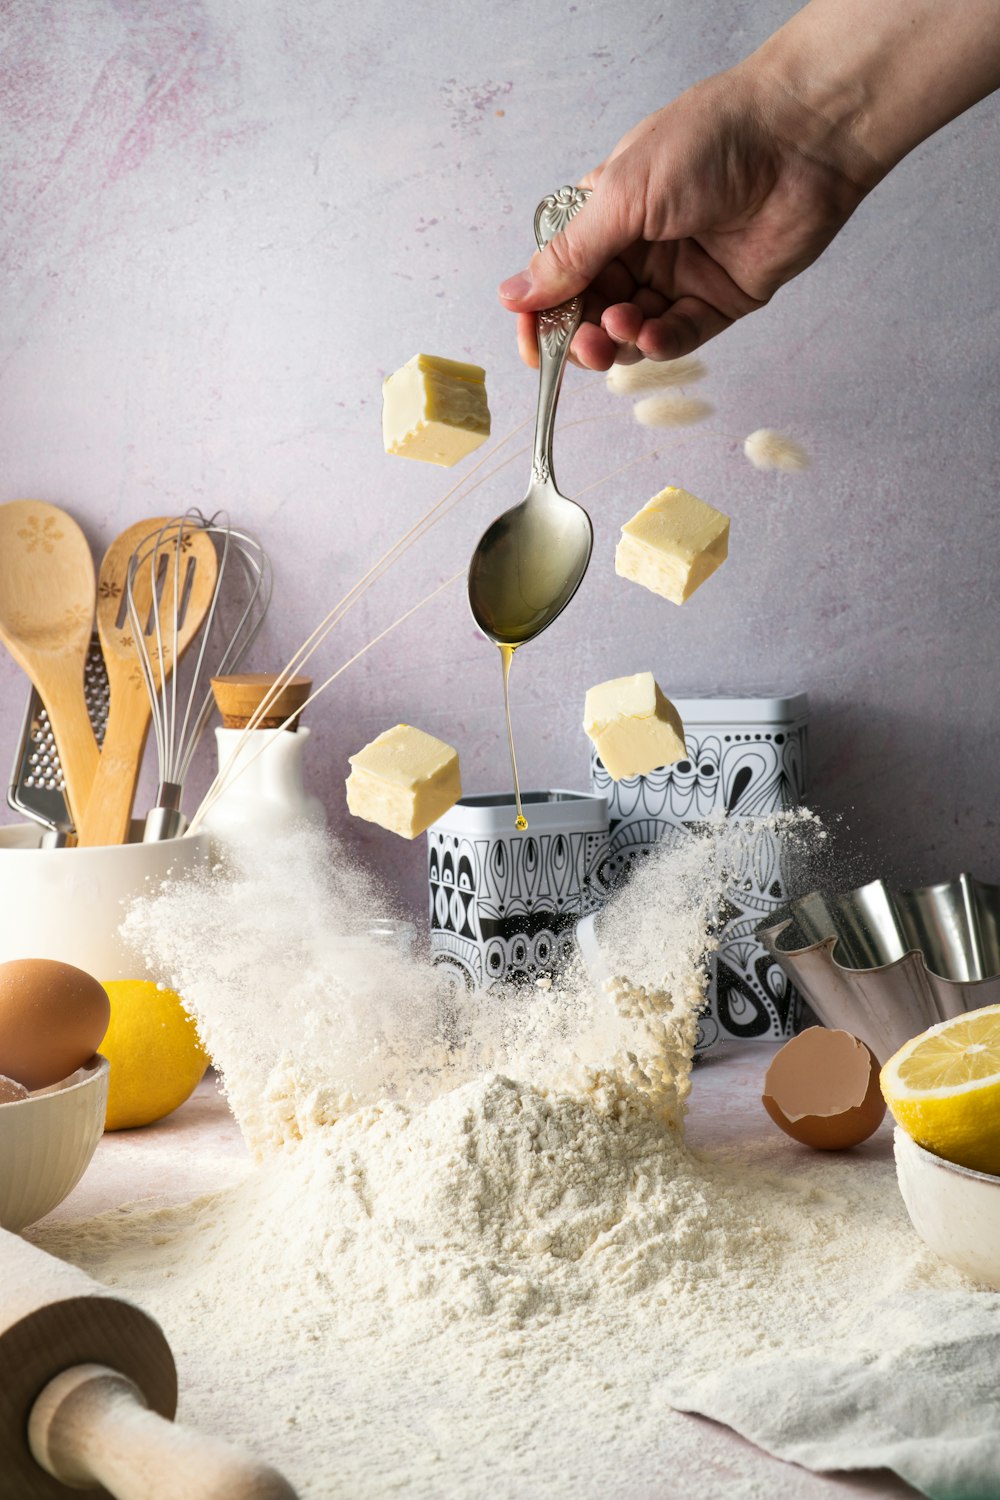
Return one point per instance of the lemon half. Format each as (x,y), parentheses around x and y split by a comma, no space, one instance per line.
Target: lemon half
(155,1055)
(943,1089)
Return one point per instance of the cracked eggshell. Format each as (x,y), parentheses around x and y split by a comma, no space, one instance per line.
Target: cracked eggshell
(11,1092)
(822,1089)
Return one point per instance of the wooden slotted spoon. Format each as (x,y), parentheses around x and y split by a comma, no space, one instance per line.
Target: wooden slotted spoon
(46,619)
(173,609)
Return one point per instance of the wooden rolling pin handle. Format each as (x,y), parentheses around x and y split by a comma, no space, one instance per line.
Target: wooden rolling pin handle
(90,1426)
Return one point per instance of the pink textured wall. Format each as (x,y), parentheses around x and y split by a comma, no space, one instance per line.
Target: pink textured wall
(223,223)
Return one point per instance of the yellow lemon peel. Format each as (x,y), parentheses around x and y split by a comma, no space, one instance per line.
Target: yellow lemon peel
(155,1055)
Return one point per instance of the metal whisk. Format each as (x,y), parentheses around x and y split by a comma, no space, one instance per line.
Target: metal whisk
(182,702)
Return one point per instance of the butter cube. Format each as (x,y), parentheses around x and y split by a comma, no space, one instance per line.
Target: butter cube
(404,781)
(435,410)
(673,544)
(634,727)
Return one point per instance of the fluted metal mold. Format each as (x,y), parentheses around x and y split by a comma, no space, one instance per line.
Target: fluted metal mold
(885,964)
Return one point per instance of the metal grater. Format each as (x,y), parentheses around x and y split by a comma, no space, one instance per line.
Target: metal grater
(37,787)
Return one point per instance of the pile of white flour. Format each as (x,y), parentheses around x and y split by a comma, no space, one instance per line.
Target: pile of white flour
(475,1256)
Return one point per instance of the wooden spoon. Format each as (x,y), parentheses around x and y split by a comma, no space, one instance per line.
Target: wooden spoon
(46,619)
(108,813)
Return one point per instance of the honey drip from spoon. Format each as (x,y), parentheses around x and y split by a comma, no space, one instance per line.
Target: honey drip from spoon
(507,656)
(530,562)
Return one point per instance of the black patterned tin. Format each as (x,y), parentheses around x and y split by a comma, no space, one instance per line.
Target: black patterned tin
(504,904)
(745,757)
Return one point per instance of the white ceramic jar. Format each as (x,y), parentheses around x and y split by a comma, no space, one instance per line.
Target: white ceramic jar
(265,790)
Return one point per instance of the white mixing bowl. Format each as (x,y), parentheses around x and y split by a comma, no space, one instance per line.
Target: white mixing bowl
(954,1210)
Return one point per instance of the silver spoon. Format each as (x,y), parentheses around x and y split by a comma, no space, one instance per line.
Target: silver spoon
(530,561)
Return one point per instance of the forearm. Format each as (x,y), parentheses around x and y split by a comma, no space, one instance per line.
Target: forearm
(861,82)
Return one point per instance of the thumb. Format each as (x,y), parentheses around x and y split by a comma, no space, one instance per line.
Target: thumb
(569,263)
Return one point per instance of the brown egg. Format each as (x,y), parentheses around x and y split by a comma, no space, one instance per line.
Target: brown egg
(52,1019)
(822,1089)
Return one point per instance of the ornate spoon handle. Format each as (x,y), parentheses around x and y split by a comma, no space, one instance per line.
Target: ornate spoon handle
(556,327)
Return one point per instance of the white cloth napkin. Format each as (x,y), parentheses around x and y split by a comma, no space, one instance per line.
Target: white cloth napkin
(929,1410)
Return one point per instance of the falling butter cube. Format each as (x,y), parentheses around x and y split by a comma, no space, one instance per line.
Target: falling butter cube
(404,781)
(435,410)
(673,544)
(633,726)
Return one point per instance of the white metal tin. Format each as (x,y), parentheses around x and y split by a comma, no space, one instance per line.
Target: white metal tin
(504,904)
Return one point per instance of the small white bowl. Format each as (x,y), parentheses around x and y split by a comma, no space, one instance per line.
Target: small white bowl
(954,1210)
(47,1141)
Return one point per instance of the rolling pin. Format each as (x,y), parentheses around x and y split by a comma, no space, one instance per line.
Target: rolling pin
(88,1392)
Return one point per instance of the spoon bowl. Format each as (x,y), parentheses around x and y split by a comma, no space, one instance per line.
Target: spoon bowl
(47,591)
(531,560)
(528,565)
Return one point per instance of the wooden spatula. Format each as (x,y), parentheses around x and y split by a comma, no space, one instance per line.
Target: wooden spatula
(46,617)
(179,604)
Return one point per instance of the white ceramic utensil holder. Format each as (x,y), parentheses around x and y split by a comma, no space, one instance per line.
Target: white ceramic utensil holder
(504,904)
(68,904)
(746,757)
(266,791)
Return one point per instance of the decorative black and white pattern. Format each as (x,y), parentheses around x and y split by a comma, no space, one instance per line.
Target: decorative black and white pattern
(503,905)
(748,770)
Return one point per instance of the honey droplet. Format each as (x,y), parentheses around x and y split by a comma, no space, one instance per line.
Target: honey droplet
(520,822)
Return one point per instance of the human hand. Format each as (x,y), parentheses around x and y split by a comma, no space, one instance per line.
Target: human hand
(697,217)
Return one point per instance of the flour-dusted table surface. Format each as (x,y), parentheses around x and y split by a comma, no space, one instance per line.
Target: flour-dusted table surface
(198,1150)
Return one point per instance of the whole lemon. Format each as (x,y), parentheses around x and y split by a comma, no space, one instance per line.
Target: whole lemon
(155,1055)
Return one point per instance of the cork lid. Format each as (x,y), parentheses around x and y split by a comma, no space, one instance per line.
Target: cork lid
(239,696)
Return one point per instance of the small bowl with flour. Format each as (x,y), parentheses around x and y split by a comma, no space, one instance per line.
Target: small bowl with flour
(47,1141)
(955,1211)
